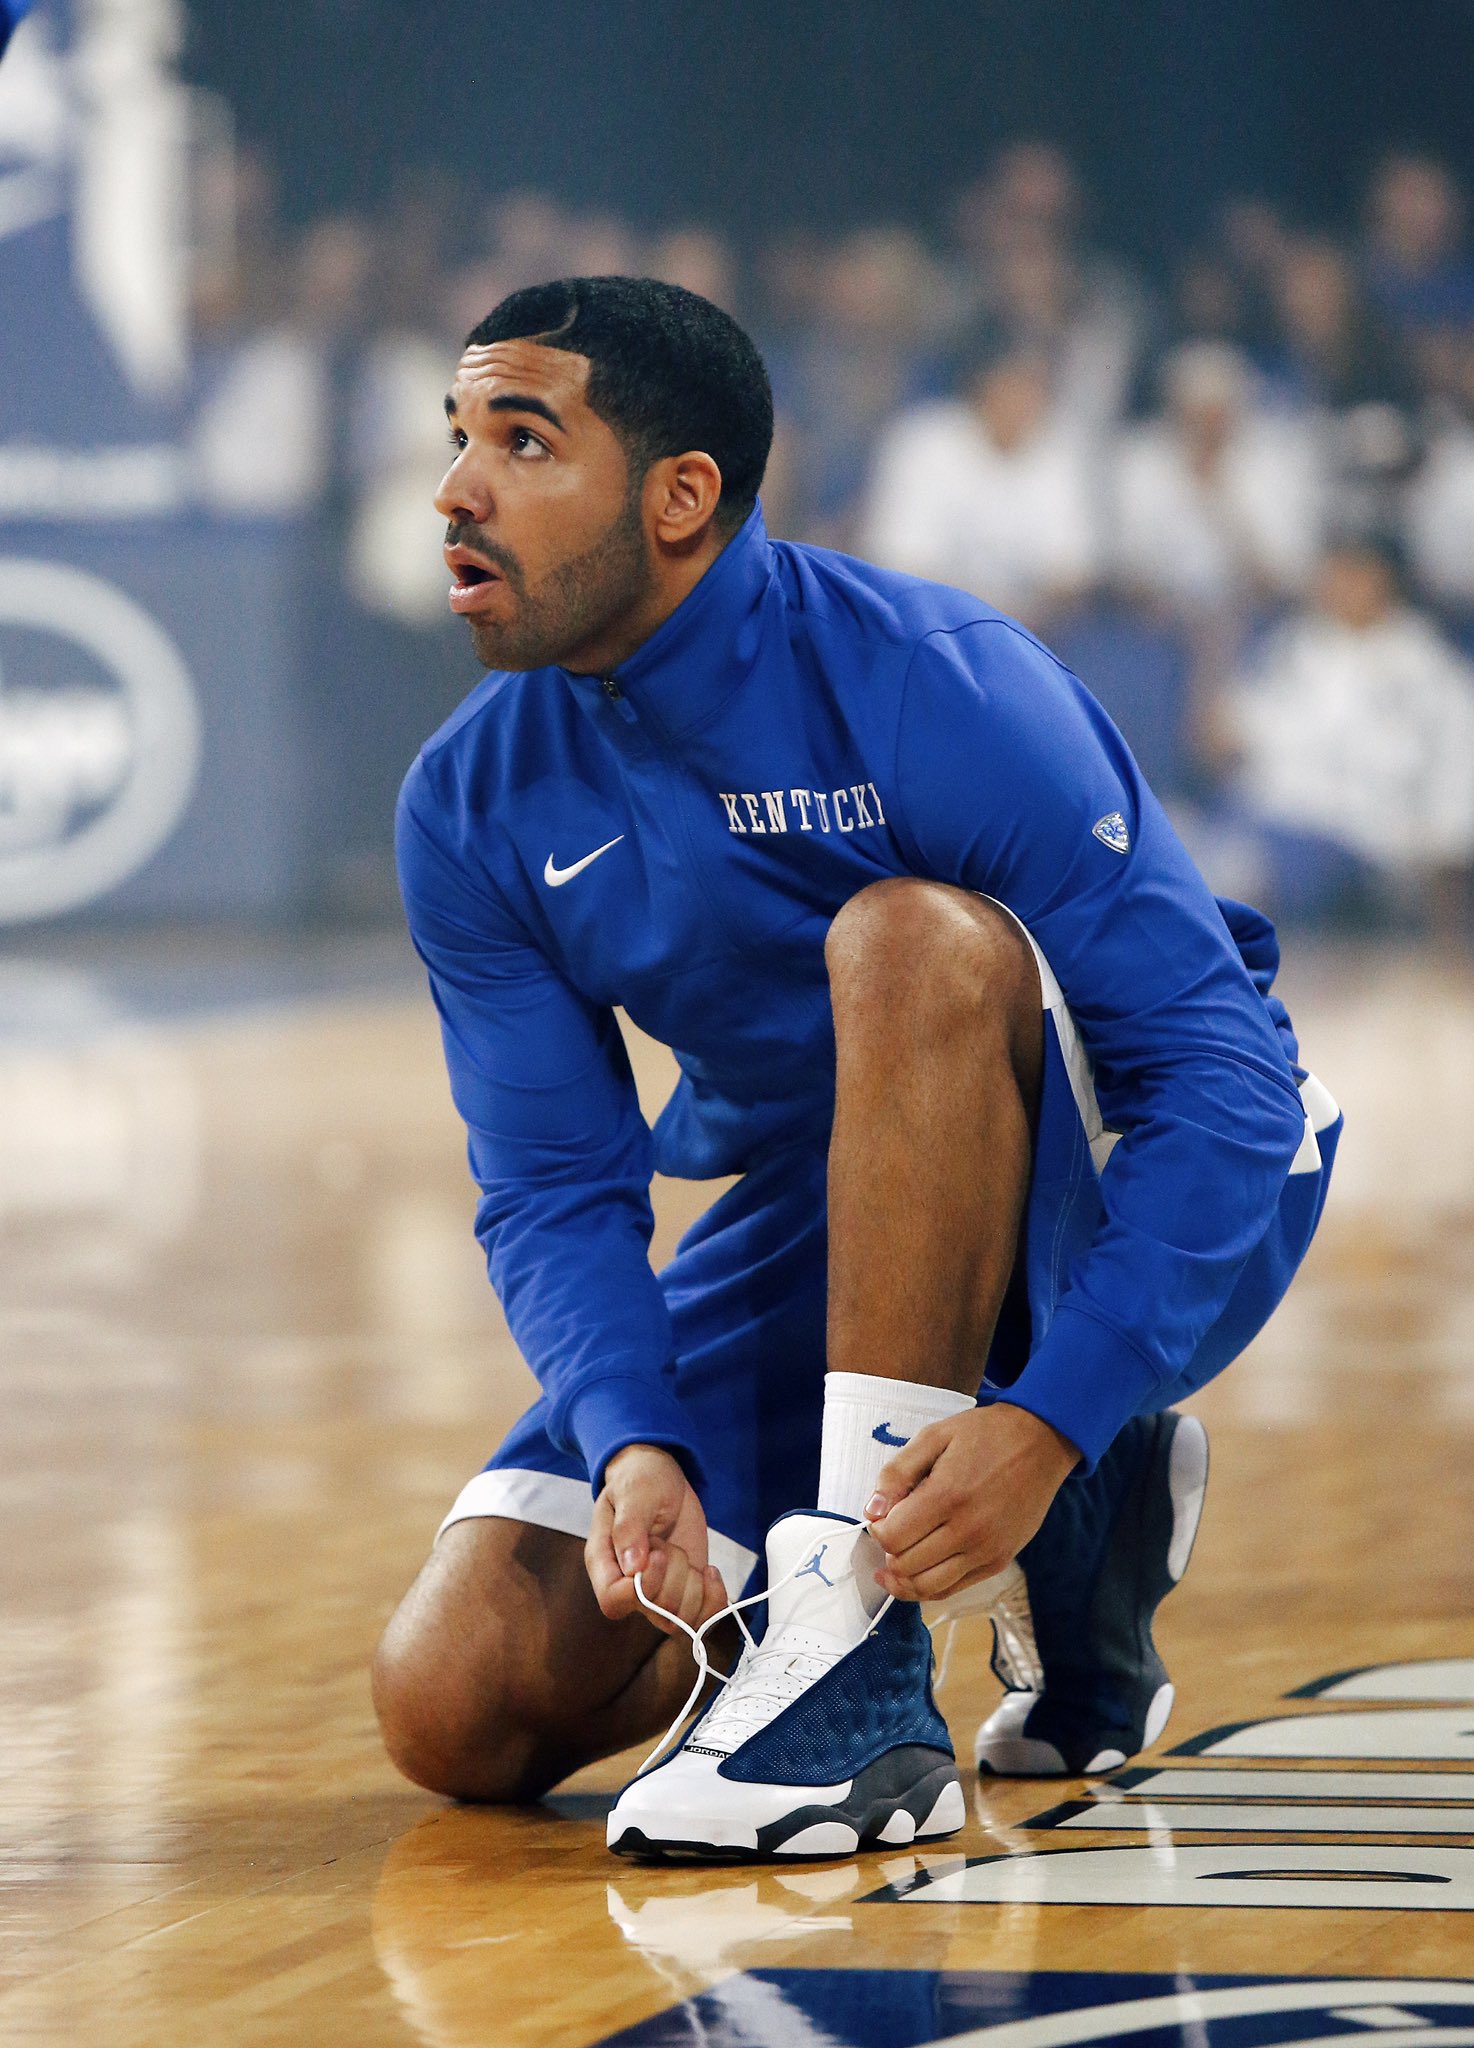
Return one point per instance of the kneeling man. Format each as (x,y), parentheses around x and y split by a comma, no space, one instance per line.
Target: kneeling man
(1025,1151)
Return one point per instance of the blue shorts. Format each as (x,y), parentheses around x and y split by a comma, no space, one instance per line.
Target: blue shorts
(747,1297)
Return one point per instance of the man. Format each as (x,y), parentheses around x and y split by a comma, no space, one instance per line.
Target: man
(993,490)
(885,878)
(1353,727)
(1218,502)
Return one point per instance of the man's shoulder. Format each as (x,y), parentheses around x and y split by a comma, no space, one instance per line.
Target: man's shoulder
(840,595)
(452,784)
(493,698)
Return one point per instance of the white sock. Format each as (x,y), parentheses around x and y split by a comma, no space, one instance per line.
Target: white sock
(866,1421)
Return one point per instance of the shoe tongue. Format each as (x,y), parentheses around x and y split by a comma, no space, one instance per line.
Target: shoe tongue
(833,1590)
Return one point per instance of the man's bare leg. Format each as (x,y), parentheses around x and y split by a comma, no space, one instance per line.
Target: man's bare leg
(498,1676)
(939,1035)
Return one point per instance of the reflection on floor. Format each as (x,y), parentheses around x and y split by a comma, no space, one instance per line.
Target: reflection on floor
(248,1354)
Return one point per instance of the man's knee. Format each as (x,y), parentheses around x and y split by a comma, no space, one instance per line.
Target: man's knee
(915,945)
(452,1734)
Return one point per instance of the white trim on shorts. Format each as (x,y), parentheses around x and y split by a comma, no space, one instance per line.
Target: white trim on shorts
(551,1500)
(1320,1106)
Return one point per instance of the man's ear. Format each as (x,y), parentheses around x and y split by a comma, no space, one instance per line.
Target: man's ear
(681,497)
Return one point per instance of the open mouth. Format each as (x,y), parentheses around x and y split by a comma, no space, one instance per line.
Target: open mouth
(472,581)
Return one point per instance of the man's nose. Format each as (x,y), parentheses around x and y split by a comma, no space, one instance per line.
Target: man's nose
(460,498)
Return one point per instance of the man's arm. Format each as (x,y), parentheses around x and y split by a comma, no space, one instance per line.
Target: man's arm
(563,1160)
(1004,769)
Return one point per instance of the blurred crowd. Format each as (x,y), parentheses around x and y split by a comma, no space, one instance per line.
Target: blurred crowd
(1237,495)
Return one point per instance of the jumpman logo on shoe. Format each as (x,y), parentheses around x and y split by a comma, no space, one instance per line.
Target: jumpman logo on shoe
(882,1435)
(814,1568)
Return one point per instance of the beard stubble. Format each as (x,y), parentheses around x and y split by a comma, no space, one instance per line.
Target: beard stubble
(576,602)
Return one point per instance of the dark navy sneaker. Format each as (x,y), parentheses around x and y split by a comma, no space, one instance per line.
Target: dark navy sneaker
(1085,1686)
(826,1738)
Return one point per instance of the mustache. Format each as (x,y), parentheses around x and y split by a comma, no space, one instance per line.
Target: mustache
(464,535)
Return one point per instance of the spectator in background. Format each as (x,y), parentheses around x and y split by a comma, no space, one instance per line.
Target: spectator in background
(1341,360)
(992,492)
(867,354)
(1208,301)
(530,238)
(237,281)
(1354,739)
(1440,503)
(1025,266)
(787,275)
(1418,270)
(1253,239)
(700,260)
(395,566)
(1335,352)
(266,438)
(1217,504)
(1224,289)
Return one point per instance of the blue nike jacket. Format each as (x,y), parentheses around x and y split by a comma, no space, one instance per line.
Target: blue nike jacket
(677,838)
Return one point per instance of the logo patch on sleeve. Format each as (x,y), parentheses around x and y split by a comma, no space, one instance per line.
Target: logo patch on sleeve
(1111,831)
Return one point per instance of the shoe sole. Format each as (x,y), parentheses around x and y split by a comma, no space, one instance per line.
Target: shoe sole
(908,1795)
(1008,1754)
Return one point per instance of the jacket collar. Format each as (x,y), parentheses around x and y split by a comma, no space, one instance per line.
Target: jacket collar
(707,647)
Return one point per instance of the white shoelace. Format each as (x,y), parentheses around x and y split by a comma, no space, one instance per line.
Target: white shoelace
(769,1674)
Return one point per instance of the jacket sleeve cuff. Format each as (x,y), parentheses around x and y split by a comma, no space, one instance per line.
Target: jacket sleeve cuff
(1086,1380)
(612,1413)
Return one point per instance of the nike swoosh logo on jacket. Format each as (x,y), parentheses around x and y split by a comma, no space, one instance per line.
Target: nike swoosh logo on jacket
(555,877)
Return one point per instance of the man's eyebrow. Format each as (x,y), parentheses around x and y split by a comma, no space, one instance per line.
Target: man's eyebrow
(515,401)
(511,401)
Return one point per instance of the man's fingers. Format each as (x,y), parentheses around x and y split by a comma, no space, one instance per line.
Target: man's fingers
(614,1588)
(714,1595)
(931,1550)
(683,1592)
(674,1573)
(977,1575)
(694,1540)
(929,1508)
(906,1470)
(689,1601)
(648,1524)
(631,1531)
(600,1562)
(930,1584)
(655,1575)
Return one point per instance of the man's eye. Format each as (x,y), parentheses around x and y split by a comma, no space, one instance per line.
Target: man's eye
(525,442)
(457,437)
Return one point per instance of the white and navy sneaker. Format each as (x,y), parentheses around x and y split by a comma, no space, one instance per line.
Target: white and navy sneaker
(825,1739)
(1085,1687)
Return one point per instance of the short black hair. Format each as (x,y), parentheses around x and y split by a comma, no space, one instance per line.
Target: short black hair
(668,371)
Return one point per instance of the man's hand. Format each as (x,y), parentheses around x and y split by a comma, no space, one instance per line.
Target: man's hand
(964,1497)
(647,1519)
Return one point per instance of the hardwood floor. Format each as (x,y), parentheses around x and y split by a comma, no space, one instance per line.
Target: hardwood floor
(249,1355)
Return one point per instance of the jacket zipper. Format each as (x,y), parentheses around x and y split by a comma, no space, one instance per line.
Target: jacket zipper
(610,686)
(679,777)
